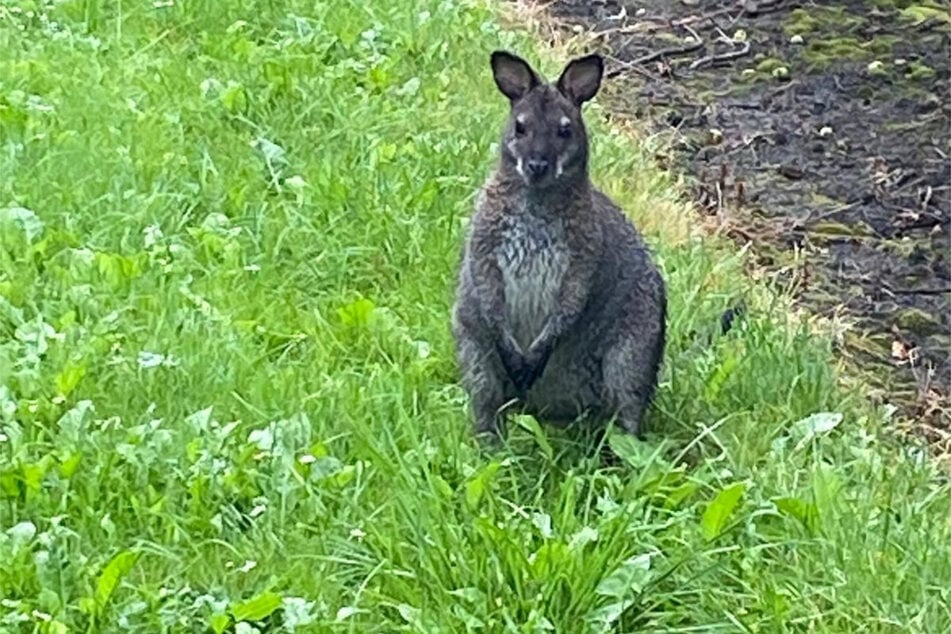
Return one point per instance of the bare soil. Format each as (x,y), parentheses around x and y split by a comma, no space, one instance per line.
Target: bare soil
(822,129)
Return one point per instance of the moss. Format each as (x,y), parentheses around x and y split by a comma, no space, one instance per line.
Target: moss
(915,319)
(838,230)
(832,34)
(919,70)
(822,200)
(827,51)
(919,13)
(765,69)
(749,74)
(904,4)
(800,22)
(911,7)
(820,19)
(881,45)
(769,64)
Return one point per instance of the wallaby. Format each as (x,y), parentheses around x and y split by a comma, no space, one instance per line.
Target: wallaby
(558,304)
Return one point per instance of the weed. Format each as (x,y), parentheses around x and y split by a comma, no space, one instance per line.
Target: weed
(227,394)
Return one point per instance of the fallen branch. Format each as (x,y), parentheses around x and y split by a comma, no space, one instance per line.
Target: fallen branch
(626,66)
(919,291)
(620,30)
(646,59)
(755,9)
(721,57)
(701,18)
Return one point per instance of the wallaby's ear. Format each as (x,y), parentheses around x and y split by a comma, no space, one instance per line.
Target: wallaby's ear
(581,78)
(513,75)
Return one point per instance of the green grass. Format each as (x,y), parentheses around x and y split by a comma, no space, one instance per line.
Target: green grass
(230,239)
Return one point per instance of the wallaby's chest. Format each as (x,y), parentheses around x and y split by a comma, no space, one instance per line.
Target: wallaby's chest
(533,258)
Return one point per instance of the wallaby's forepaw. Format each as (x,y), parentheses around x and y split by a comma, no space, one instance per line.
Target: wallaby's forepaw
(516,366)
(524,369)
(535,361)
(608,457)
(488,435)
(525,377)
(634,428)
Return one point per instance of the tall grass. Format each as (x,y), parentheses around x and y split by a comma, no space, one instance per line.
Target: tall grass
(229,402)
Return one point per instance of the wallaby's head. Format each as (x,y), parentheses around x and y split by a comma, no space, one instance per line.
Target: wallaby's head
(545,140)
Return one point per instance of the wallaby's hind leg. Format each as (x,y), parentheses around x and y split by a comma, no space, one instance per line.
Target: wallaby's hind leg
(483,379)
(629,372)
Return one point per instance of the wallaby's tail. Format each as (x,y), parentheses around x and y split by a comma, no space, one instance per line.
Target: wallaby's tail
(730,315)
(728,319)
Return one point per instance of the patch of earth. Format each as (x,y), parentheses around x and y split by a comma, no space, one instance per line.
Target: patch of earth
(822,129)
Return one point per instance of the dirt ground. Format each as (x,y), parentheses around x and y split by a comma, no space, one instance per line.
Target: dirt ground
(817,128)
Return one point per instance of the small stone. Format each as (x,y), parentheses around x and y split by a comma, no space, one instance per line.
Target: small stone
(781,72)
(739,36)
(791,172)
(876,67)
(825,131)
(796,39)
(715,136)
(640,12)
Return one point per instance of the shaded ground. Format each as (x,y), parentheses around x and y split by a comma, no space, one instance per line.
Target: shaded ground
(817,128)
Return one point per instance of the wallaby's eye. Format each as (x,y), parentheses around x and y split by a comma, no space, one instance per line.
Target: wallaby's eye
(519,128)
(564,130)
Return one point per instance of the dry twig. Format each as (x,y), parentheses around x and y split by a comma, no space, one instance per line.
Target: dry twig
(722,57)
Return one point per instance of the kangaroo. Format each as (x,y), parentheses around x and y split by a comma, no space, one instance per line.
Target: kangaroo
(558,305)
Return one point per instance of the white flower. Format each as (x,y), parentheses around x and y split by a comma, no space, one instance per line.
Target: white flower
(41,616)
(150,360)
(345,612)
(29,222)
(296,182)
(248,566)
(22,533)
(152,235)
(257,510)
(263,439)
(297,612)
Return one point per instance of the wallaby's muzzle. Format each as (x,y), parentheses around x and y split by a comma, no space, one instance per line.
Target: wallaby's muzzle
(537,167)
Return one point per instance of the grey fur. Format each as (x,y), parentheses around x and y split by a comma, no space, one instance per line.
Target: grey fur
(559,306)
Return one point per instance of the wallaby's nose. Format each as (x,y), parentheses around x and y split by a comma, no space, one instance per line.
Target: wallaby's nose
(537,166)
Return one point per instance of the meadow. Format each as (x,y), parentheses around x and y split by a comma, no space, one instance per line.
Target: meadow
(228,397)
